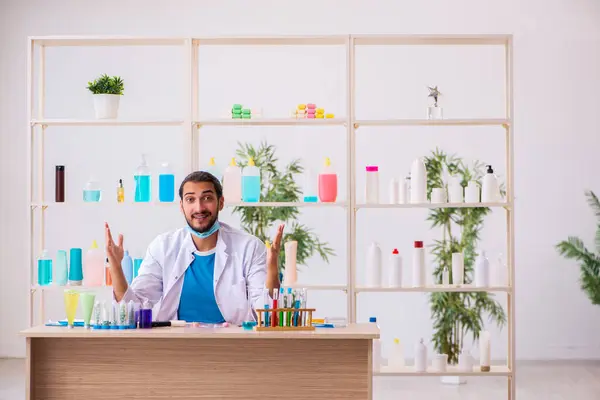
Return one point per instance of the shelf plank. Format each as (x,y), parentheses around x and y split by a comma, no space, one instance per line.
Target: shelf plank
(496,370)
(434,288)
(271,122)
(430,205)
(272,40)
(176,204)
(380,40)
(107,41)
(318,287)
(433,122)
(106,122)
(286,204)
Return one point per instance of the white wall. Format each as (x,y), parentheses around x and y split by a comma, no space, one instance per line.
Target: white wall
(556,63)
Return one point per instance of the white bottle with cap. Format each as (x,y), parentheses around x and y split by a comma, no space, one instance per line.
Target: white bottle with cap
(490,190)
(455,190)
(395,272)
(374,266)
(420,357)
(394,189)
(376,348)
(397,358)
(472,192)
(482,270)
(418,264)
(404,192)
(418,182)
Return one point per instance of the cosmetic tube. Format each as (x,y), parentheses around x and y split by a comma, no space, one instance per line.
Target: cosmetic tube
(484,351)
(458,269)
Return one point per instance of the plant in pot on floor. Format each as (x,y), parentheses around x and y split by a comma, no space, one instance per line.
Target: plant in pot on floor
(107,91)
(454,314)
(589,262)
(278,186)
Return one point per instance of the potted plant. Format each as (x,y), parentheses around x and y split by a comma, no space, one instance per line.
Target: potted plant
(455,315)
(279,186)
(107,91)
(589,261)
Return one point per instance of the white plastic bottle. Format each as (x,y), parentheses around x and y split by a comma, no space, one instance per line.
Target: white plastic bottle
(458,269)
(490,191)
(397,355)
(500,272)
(484,351)
(418,182)
(418,264)
(395,271)
(372,185)
(472,192)
(455,190)
(376,348)
(374,266)
(394,189)
(421,357)
(404,192)
(482,270)
(232,183)
(94,266)
(213,169)
(445,276)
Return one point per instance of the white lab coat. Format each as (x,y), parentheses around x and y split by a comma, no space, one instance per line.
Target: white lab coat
(239,276)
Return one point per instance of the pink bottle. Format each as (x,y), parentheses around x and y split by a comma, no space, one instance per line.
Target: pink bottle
(328,183)
(94,266)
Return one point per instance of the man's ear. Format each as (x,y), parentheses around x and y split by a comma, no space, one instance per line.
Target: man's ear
(221,203)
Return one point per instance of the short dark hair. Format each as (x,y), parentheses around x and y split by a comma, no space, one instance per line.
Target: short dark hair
(202,176)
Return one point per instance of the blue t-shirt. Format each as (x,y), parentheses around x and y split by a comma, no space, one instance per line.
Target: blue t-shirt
(197,302)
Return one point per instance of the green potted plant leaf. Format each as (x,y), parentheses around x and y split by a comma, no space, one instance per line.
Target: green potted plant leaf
(106,90)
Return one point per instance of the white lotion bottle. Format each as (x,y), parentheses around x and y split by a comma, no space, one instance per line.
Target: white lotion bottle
(458,269)
(482,270)
(490,191)
(500,272)
(445,276)
(418,182)
(395,271)
(232,183)
(397,358)
(372,185)
(404,192)
(374,266)
(418,264)
(376,347)
(472,193)
(484,351)
(420,357)
(455,190)
(394,189)
(291,272)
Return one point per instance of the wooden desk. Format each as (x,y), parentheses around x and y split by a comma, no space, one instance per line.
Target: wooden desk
(199,363)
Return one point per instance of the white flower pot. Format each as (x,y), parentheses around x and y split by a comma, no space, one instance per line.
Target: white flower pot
(106,105)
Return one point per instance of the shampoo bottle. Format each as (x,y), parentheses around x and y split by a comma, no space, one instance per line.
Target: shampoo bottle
(404,192)
(328,183)
(418,264)
(418,182)
(395,277)
(472,193)
(251,183)
(490,191)
(455,190)
(482,270)
(127,266)
(232,183)
(374,266)
(420,357)
(94,266)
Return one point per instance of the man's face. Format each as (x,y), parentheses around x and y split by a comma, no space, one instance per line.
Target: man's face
(200,205)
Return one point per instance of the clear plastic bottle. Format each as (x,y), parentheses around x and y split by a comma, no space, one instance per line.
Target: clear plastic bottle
(232,183)
(142,182)
(91,191)
(251,183)
(328,183)
(166,184)
(61,268)
(44,269)
(127,266)
(214,170)
(309,189)
(94,266)
(397,355)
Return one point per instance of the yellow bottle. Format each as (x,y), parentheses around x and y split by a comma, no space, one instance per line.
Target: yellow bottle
(120,192)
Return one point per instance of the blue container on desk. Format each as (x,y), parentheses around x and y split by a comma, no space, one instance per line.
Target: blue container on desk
(137,263)
(75,267)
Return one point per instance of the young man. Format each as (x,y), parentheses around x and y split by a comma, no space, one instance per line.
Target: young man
(205,272)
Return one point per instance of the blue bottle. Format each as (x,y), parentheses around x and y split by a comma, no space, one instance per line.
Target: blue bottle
(166,184)
(137,263)
(127,266)
(142,182)
(92,192)
(44,269)
(75,267)
(61,268)
(251,183)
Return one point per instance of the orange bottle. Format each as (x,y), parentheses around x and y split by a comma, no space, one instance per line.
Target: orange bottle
(107,277)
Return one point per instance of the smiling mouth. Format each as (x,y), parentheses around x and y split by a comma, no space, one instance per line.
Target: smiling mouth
(200,218)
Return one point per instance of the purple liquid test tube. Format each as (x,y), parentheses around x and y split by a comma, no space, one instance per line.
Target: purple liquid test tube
(146,317)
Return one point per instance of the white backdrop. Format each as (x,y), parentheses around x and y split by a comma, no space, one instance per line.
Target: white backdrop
(555,82)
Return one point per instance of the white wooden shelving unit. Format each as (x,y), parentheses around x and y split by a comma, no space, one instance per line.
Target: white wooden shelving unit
(193,126)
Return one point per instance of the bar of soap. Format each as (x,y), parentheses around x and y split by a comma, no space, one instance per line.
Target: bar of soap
(301,106)
(319,116)
(246,116)
(246,111)
(311,111)
(329,116)
(320,111)
(237,116)
(237,106)
(311,106)
(310,116)
(234,111)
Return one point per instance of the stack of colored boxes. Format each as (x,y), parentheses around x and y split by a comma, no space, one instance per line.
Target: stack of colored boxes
(310,111)
(237,112)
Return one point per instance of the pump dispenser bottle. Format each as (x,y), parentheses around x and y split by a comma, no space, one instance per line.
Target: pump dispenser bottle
(490,191)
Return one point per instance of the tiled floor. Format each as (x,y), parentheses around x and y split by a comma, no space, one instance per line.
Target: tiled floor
(539,381)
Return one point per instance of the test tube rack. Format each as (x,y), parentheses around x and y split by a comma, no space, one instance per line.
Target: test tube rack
(303,320)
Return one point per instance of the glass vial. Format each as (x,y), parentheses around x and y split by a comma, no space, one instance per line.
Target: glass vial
(59,184)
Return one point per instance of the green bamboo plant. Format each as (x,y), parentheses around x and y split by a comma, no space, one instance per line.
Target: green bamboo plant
(457,314)
(278,186)
(589,262)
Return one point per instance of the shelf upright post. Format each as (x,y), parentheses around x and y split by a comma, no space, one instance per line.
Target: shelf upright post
(30,141)
(192,131)
(510,215)
(351,148)
(41,205)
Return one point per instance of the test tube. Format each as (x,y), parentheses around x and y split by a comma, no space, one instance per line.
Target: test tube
(274,314)
(105,316)
(267,303)
(123,316)
(131,314)
(304,300)
(146,316)
(96,321)
(282,296)
(114,315)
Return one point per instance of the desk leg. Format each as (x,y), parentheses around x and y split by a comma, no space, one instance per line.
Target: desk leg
(29,383)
